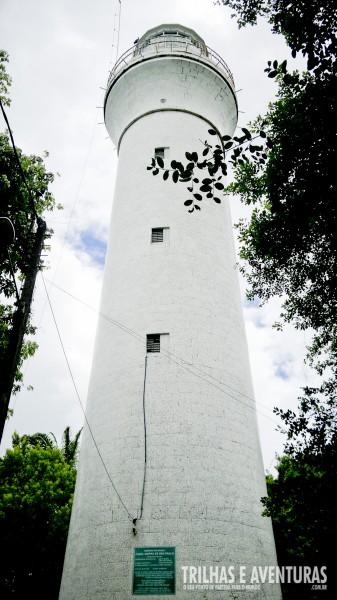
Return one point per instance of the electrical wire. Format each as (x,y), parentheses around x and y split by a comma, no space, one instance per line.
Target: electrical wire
(119,27)
(79,399)
(172,357)
(19,163)
(169,355)
(32,202)
(13,274)
(145,442)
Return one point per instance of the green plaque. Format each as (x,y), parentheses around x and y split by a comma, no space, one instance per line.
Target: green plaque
(154,572)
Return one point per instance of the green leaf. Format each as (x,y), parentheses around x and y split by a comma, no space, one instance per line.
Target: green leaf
(247,133)
(284,66)
(186,176)
(312,61)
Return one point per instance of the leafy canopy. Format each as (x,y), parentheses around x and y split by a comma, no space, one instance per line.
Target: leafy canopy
(301,503)
(23,198)
(284,167)
(289,245)
(37,480)
(308,27)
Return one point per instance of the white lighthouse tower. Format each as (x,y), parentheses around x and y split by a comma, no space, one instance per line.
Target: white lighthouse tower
(170,474)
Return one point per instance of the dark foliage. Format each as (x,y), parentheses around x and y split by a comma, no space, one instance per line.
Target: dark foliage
(37,481)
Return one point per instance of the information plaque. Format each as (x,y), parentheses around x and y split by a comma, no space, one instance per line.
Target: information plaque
(154,572)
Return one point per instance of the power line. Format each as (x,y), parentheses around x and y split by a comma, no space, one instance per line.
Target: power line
(116,31)
(145,442)
(172,357)
(19,163)
(119,27)
(20,317)
(79,399)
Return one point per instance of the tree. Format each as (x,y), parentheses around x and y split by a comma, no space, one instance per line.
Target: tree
(301,503)
(37,480)
(289,244)
(309,28)
(25,196)
(289,248)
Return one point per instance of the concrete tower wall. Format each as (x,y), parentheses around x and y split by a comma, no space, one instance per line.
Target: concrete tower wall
(170,83)
(204,473)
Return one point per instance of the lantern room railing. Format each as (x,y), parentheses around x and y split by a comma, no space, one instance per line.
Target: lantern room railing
(173,45)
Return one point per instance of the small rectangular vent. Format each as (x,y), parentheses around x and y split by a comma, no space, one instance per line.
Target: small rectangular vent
(157,235)
(153,342)
(159,153)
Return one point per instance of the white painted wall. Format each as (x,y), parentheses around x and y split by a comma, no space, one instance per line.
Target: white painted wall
(204,470)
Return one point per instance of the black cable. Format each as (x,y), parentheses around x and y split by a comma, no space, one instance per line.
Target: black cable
(19,163)
(170,355)
(79,399)
(13,275)
(164,352)
(145,442)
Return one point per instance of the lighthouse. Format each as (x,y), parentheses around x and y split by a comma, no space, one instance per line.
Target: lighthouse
(170,473)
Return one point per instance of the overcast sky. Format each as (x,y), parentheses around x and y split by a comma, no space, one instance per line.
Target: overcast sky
(61,52)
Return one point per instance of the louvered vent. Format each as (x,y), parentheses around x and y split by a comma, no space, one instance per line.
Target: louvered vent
(157,235)
(153,342)
(159,153)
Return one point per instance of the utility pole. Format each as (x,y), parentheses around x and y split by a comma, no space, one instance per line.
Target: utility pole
(20,320)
